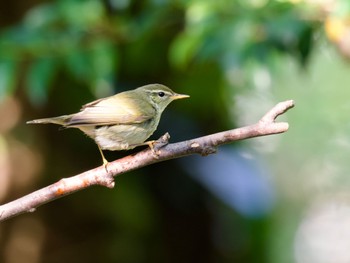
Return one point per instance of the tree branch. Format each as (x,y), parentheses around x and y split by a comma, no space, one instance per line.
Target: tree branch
(99,176)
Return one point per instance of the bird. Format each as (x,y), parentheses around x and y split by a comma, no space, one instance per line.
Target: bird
(122,121)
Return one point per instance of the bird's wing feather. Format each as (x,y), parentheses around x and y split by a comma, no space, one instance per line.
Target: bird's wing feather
(118,109)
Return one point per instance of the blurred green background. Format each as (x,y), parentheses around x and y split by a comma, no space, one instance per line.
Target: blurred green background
(283,198)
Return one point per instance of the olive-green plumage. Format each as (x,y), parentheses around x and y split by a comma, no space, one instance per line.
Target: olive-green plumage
(120,122)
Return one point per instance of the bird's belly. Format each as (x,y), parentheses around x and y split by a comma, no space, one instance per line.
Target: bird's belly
(122,137)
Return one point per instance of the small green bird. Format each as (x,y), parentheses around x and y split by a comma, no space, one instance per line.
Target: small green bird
(122,121)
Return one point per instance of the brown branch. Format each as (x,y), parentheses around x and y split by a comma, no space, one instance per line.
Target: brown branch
(98,176)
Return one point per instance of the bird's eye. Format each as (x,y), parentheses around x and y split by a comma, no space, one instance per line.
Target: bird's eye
(161,94)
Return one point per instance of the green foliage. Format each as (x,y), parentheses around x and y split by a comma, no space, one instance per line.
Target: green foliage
(63,33)
(84,38)
(233,33)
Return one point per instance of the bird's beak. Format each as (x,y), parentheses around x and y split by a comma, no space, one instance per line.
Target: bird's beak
(179,96)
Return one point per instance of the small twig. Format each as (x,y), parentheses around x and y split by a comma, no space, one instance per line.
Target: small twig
(98,176)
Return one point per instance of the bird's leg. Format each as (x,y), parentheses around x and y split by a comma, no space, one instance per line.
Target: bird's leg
(105,162)
(148,143)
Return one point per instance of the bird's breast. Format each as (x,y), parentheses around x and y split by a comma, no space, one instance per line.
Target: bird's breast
(124,136)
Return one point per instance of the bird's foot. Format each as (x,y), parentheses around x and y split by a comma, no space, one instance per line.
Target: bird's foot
(105,164)
(156,145)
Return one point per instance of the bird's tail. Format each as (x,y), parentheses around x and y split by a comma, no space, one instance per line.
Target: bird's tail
(61,120)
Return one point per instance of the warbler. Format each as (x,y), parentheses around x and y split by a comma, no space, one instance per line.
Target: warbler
(122,121)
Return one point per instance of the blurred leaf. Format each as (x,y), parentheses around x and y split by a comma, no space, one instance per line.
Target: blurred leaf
(78,64)
(8,69)
(39,77)
(40,17)
(103,59)
(79,13)
(103,62)
(95,65)
(184,49)
(305,45)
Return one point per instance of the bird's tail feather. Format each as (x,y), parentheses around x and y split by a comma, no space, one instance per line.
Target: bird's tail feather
(61,120)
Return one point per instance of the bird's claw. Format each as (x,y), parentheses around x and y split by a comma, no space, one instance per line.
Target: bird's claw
(105,165)
(158,144)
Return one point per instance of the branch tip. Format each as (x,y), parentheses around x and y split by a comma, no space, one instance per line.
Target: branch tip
(276,111)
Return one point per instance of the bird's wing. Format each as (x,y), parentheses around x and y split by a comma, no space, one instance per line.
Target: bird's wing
(118,109)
